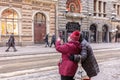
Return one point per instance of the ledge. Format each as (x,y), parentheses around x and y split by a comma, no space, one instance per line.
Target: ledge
(74,15)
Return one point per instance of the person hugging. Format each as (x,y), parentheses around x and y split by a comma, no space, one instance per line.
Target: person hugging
(68,68)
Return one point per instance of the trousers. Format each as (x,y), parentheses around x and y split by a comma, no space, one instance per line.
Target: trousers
(67,77)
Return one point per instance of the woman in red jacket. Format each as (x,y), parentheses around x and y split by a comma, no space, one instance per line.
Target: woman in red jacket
(67,68)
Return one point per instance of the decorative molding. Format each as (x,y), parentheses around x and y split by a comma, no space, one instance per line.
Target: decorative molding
(74,15)
(73,6)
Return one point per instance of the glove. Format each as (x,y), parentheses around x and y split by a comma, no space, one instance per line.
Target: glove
(71,57)
(75,58)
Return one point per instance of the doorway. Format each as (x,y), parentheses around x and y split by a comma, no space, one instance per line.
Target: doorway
(105,33)
(39,28)
(93,33)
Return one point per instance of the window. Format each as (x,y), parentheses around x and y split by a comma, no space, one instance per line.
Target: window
(99,6)
(118,8)
(114,6)
(9,22)
(40,18)
(95,2)
(95,5)
(104,7)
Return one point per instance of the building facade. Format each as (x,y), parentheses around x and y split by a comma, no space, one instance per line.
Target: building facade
(29,20)
(99,20)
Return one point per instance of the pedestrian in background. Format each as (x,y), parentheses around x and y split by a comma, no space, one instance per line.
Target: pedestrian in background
(62,37)
(53,39)
(67,68)
(87,58)
(46,40)
(11,43)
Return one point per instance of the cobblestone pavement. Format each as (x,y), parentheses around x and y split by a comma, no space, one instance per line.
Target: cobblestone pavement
(109,70)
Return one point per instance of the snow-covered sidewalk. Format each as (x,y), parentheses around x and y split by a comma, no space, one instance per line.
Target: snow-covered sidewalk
(109,70)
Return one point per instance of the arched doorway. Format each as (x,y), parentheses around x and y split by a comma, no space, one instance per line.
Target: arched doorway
(9,22)
(93,32)
(105,33)
(39,27)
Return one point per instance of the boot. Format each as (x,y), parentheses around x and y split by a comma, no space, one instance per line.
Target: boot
(6,50)
(15,50)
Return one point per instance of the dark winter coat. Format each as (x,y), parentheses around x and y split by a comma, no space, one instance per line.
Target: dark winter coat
(11,41)
(53,38)
(46,38)
(89,62)
(66,66)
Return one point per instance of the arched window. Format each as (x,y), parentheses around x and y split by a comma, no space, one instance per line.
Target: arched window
(9,22)
(105,33)
(73,6)
(93,31)
(40,18)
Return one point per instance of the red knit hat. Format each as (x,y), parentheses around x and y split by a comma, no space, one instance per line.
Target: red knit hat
(75,35)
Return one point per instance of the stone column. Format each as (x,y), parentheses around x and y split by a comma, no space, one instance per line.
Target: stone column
(99,36)
(97,6)
(102,9)
(26,29)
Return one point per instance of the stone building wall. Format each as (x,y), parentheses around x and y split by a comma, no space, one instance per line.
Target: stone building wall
(26,10)
(89,19)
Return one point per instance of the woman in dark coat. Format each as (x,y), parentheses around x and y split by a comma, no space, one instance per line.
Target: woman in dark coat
(87,58)
(53,39)
(46,40)
(11,43)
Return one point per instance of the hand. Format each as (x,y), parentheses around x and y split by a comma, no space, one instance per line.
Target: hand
(71,57)
(58,39)
(75,58)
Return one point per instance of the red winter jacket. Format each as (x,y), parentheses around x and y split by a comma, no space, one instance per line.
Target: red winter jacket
(67,67)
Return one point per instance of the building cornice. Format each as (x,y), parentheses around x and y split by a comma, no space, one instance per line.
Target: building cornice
(74,15)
